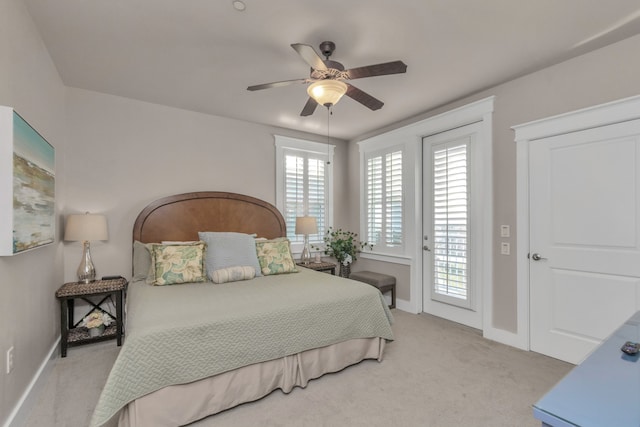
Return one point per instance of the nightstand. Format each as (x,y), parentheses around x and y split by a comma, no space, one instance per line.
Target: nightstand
(319,266)
(72,333)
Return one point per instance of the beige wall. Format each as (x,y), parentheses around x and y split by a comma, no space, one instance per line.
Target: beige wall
(605,75)
(29,315)
(122,154)
(115,155)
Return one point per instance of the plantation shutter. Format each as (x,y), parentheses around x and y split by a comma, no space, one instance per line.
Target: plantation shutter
(394,199)
(385,200)
(374,200)
(316,195)
(293,192)
(305,192)
(451,222)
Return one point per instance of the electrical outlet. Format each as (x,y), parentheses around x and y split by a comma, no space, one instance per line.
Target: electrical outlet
(10,360)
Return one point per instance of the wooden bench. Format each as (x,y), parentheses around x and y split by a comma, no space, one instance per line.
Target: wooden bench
(383,282)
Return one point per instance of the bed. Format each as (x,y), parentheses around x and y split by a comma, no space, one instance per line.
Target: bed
(198,348)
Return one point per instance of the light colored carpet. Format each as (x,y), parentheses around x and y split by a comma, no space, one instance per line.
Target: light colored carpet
(436,373)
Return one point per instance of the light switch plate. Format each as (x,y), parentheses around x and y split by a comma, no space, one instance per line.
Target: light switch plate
(505,231)
(505,248)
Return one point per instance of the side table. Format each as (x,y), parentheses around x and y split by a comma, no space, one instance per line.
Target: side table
(319,266)
(71,333)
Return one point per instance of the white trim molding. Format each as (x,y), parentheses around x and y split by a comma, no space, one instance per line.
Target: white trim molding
(527,133)
(322,150)
(396,259)
(411,137)
(20,412)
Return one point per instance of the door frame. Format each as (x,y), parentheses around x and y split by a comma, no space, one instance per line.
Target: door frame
(476,112)
(528,133)
(479,205)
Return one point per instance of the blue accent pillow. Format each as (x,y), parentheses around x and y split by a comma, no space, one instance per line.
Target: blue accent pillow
(228,249)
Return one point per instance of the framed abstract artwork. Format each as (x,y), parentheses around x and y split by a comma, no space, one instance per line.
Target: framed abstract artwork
(27,186)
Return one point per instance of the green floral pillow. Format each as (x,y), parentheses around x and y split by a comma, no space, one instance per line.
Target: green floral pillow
(177,263)
(275,257)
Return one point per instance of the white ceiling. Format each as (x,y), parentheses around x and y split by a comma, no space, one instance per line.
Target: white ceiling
(201,55)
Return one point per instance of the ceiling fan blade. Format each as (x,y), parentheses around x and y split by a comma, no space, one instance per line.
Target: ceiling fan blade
(277,84)
(363,98)
(393,67)
(310,56)
(309,107)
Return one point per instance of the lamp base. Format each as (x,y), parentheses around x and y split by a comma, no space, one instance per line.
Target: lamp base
(86,269)
(305,257)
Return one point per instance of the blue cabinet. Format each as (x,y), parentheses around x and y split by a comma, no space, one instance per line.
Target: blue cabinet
(604,390)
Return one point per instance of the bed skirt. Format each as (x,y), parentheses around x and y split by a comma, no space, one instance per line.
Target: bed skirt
(182,404)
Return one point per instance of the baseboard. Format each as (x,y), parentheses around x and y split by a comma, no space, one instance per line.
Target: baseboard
(20,412)
(512,339)
(405,305)
(499,335)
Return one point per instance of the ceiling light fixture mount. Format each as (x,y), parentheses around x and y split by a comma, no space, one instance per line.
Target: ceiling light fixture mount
(239,5)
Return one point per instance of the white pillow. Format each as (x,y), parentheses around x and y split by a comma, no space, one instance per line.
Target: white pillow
(228,249)
(233,274)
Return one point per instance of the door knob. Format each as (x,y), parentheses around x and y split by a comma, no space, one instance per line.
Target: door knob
(426,248)
(537,257)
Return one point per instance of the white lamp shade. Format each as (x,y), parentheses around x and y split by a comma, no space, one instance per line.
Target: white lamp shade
(81,227)
(327,92)
(306,225)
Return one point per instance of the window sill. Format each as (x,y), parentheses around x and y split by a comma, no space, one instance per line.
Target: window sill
(393,258)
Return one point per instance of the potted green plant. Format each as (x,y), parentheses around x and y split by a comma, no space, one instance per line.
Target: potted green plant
(344,247)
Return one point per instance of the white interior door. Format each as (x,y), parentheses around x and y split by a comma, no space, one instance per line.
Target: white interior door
(584,263)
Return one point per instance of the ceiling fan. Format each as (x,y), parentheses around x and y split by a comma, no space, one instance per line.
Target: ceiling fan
(328,76)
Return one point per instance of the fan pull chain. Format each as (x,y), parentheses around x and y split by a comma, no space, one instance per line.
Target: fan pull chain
(329,114)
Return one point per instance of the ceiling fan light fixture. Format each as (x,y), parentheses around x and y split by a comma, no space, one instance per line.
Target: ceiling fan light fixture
(327,92)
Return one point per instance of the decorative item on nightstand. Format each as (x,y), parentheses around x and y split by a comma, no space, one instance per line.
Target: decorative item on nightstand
(344,247)
(84,228)
(306,225)
(96,322)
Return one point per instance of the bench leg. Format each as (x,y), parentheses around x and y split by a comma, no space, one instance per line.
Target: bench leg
(393,298)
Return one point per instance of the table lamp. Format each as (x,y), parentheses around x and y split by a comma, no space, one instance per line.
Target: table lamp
(84,228)
(306,225)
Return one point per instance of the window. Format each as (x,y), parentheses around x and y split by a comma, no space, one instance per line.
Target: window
(384,200)
(304,190)
(304,185)
(450,219)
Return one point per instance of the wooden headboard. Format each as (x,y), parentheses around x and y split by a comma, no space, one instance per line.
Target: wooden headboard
(180,217)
